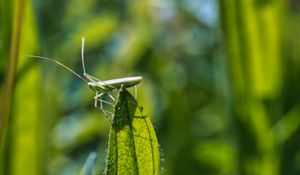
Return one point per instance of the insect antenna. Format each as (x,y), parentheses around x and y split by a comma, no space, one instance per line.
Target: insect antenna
(58,63)
(88,76)
(82,56)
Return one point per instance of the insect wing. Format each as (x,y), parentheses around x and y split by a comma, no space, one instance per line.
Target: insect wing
(118,82)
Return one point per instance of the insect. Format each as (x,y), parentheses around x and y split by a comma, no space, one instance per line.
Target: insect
(99,87)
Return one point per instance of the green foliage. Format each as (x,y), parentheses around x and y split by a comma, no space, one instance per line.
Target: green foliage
(132,146)
(221,80)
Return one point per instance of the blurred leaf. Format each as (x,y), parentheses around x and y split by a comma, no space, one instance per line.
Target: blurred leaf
(254,59)
(132,147)
(288,125)
(96,30)
(134,44)
(81,130)
(89,166)
(216,155)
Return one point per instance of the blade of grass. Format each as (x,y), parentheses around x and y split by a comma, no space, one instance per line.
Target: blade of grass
(11,71)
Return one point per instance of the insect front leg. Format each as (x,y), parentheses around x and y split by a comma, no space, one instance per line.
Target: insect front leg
(98,97)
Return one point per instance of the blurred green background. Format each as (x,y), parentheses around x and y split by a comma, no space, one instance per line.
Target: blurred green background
(221,82)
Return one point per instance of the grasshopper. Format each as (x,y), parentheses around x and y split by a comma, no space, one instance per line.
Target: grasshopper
(99,87)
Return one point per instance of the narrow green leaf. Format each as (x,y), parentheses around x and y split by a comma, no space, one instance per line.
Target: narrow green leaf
(132,146)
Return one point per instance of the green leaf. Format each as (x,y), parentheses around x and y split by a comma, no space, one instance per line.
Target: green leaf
(132,146)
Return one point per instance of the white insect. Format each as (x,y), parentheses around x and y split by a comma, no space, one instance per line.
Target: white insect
(100,87)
